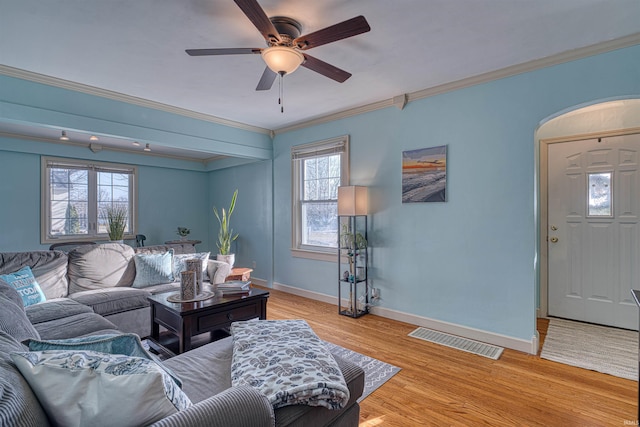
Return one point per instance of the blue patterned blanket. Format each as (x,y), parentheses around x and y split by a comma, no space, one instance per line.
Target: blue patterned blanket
(288,363)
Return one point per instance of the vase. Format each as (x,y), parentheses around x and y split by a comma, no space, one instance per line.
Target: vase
(195,265)
(229,259)
(187,285)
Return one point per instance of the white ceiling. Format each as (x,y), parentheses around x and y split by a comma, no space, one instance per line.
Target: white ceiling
(137,47)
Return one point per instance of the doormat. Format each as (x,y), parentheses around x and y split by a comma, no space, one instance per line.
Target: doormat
(376,372)
(459,343)
(603,349)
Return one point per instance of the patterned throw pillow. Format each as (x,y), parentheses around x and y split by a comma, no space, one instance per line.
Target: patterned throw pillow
(153,269)
(125,344)
(25,283)
(100,389)
(179,264)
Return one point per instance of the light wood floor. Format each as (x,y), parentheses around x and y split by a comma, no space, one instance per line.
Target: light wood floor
(441,386)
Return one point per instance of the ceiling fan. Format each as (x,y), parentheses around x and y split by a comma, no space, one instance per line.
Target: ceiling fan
(286,49)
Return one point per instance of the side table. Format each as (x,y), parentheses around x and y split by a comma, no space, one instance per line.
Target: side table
(240,273)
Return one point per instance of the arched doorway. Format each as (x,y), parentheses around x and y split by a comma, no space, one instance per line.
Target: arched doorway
(573,131)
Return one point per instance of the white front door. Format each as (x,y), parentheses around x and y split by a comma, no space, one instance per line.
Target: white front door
(593,230)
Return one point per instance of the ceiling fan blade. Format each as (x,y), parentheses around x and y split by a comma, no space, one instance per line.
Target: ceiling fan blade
(223,51)
(349,28)
(259,18)
(325,69)
(267,79)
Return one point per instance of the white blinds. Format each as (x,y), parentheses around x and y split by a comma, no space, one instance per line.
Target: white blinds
(98,167)
(319,149)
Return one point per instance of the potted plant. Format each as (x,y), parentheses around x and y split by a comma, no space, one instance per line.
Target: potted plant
(225,233)
(352,244)
(116,216)
(183,232)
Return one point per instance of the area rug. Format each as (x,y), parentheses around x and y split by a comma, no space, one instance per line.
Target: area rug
(376,372)
(611,351)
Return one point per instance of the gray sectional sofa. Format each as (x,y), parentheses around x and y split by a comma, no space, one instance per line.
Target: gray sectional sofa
(89,293)
(98,277)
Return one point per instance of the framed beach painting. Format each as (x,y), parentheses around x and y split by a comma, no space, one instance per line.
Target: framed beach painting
(424,175)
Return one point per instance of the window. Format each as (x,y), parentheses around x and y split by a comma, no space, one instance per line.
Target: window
(76,194)
(319,169)
(600,194)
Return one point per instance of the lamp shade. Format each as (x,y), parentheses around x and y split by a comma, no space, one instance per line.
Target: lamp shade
(282,59)
(352,200)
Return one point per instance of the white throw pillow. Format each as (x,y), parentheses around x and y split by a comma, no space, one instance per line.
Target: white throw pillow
(80,388)
(179,264)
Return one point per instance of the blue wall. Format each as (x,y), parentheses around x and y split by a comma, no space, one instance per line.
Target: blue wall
(469,261)
(168,197)
(252,217)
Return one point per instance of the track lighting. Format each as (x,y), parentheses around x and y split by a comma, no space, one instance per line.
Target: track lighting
(136,143)
(93,138)
(147,147)
(64,136)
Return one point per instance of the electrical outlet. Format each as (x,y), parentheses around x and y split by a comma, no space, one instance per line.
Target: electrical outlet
(375,293)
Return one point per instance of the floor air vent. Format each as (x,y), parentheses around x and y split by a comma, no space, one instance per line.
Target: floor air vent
(453,341)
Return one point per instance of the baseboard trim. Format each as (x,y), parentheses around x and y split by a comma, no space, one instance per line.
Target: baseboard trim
(518,344)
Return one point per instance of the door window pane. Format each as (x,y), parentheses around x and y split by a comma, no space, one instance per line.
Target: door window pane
(600,194)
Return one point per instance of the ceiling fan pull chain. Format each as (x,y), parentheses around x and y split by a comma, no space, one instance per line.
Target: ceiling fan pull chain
(281,90)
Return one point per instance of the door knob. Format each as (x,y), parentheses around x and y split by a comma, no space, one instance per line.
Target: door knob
(554,240)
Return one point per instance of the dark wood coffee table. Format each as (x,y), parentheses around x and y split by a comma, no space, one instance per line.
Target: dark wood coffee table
(188,319)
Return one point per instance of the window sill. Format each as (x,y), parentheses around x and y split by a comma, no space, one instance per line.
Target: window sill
(316,255)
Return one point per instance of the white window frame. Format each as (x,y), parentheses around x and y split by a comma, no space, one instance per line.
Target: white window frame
(338,145)
(92,167)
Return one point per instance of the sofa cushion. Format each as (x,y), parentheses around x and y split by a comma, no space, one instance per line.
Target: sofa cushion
(9,292)
(100,389)
(179,264)
(73,326)
(214,359)
(48,267)
(14,321)
(18,404)
(153,269)
(26,284)
(55,309)
(100,266)
(112,300)
(165,287)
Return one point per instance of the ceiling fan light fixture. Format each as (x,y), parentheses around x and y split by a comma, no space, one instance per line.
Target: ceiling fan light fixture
(282,59)
(64,136)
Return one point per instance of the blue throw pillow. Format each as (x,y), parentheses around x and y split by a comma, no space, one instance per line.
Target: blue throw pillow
(153,269)
(125,344)
(25,283)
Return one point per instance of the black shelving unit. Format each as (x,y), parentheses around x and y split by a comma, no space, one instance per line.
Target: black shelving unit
(353,262)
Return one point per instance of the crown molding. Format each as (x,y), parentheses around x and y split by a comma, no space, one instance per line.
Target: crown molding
(116,96)
(525,67)
(560,58)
